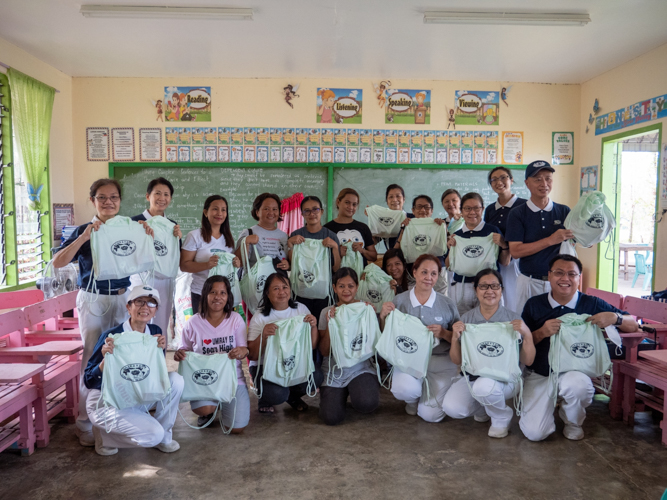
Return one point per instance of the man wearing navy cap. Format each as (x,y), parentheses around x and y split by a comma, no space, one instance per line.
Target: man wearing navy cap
(535,231)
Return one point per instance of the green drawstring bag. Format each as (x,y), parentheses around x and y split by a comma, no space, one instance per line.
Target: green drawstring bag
(384,222)
(254,278)
(454,225)
(374,287)
(311,270)
(470,255)
(578,346)
(423,236)
(210,377)
(590,220)
(288,358)
(121,248)
(226,268)
(167,251)
(353,260)
(491,350)
(353,333)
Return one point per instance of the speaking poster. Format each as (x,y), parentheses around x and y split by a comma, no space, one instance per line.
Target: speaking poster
(476,107)
(339,105)
(187,104)
(411,107)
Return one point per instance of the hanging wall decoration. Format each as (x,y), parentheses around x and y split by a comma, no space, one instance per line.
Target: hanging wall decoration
(339,105)
(187,104)
(504,92)
(476,107)
(289,93)
(411,107)
(381,90)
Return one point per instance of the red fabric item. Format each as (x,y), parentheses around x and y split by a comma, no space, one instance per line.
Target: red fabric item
(290,209)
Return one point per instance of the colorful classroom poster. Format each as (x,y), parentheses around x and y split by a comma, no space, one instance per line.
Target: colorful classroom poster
(327,153)
(250,136)
(288,154)
(210,135)
(491,148)
(416,155)
(403,155)
(171,135)
(476,107)
(237,136)
(224,154)
(352,155)
(339,154)
(441,156)
(454,155)
(289,137)
(479,140)
(150,144)
(171,153)
(122,144)
(97,144)
(562,148)
(378,155)
(406,106)
(327,137)
(276,155)
(276,136)
(249,153)
(184,135)
(183,154)
(237,154)
(512,148)
(642,111)
(313,154)
(365,155)
(314,137)
(429,155)
(379,138)
(197,153)
(302,137)
(262,154)
(262,136)
(224,135)
(340,137)
(301,154)
(197,135)
(404,138)
(365,137)
(186,104)
(479,156)
(353,137)
(589,179)
(211,154)
(339,105)
(466,156)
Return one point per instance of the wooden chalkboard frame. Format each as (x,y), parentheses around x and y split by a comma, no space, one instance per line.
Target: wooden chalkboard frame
(331,167)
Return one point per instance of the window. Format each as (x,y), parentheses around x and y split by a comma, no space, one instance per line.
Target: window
(28,228)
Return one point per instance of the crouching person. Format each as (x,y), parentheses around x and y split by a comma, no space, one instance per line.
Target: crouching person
(133,426)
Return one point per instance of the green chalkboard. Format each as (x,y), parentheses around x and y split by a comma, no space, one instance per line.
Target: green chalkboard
(238,184)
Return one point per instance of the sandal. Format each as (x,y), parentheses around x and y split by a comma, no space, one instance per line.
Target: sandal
(268,409)
(298,405)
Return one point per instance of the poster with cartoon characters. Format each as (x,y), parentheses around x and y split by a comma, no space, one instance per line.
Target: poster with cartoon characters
(339,105)
(476,107)
(187,104)
(406,106)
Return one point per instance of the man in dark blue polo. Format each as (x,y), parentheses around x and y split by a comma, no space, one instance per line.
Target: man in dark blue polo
(575,388)
(535,231)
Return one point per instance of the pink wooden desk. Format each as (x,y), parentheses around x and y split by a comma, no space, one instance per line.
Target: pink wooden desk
(15,373)
(41,353)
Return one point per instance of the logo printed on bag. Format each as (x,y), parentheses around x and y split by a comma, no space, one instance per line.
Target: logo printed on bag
(260,283)
(204,376)
(230,277)
(557,222)
(422,240)
(596,221)
(135,372)
(123,248)
(386,221)
(289,363)
(406,344)
(582,350)
(306,277)
(490,349)
(357,342)
(473,251)
(160,248)
(374,295)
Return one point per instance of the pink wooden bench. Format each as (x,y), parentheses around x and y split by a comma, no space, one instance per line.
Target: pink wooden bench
(17,396)
(615,299)
(67,303)
(20,298)
(46,314)
(12,326)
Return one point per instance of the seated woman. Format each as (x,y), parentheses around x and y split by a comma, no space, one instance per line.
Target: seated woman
(214,330)
(135,427)
(394,264)
(277,304)
(459,402)
(359,382)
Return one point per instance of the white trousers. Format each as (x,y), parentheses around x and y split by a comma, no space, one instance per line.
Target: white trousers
(97,313)
(526,288)
(463,294)
(135,427)
(537,420)
(489,399)
(166,288)
(440,375)
(510,275)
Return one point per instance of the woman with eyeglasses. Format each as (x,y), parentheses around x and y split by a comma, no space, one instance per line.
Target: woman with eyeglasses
(501,181)
(490,395)
(462,291)
(99,311)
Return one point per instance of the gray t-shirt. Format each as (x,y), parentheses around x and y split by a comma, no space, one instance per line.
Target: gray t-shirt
(271,243)
(442,312)
(320,235)
(344,377)
(502,315)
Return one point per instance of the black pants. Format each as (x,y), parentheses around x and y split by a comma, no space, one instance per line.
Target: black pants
(274,394)
(364,392)
(195,298)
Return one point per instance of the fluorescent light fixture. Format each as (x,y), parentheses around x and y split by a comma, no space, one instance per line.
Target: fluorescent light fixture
(520,18)
(166,12)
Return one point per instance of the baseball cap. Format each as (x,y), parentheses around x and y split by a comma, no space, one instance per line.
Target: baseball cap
(144,291)
(536,166)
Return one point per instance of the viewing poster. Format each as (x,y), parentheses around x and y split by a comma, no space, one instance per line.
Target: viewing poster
(476,107)
(339,105)
(122,143)
(150,144)
(562,148)
(411,107)
(97,144)
(187,104)
(512,148)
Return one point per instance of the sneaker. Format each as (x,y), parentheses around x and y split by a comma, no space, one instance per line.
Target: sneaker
(100,449)
(169,447)
(482,418)
(570,431)
(86,438)
(411,408)
(203,420)
(498,432)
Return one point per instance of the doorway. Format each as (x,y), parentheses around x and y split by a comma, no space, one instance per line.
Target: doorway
(629,178)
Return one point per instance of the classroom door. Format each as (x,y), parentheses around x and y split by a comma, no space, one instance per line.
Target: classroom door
(607,275)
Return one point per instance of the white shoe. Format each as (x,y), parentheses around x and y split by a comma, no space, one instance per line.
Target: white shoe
(570,431)
(498,432)
(169,447)
(411,408)
(482,418)
(100,449)
(86,438)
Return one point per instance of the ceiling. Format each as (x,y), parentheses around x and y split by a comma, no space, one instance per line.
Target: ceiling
(337,38)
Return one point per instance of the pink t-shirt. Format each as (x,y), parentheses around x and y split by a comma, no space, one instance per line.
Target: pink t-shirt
(202,337)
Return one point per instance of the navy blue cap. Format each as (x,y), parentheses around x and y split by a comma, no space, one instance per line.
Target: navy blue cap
(536,166)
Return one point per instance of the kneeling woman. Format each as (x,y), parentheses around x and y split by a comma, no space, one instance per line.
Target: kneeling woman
(459,402)
(134,427)
(277,304)
(359,381)
(214,330)
(438,314)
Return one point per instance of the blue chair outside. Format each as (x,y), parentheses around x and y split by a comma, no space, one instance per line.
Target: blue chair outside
(643,268)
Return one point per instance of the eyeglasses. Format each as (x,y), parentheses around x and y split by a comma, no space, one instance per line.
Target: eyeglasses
(502,178)
(309,211)
(103,199)
(141,303)
(560,274)
(423,207)
(492,286)
(471,209)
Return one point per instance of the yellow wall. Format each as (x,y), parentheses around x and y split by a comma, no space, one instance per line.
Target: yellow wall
(642,78)
(61,151)
(536,109)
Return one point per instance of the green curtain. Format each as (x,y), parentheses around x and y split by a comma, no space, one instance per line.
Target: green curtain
(32,107)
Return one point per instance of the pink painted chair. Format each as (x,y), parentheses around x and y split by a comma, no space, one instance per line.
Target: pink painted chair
(12,326)
(42,324)
(615,299)
(20,298)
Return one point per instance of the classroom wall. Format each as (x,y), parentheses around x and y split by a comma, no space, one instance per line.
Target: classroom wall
(642,78)
(535,109)
(61,151)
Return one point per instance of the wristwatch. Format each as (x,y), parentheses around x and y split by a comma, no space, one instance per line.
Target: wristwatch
(619,319)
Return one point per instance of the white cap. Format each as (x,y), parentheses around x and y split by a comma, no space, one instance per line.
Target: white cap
(144,291)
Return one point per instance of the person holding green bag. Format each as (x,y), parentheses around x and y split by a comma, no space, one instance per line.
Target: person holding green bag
(490,395)
(359,381)
(542,314)
(394,264)
(451,202)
